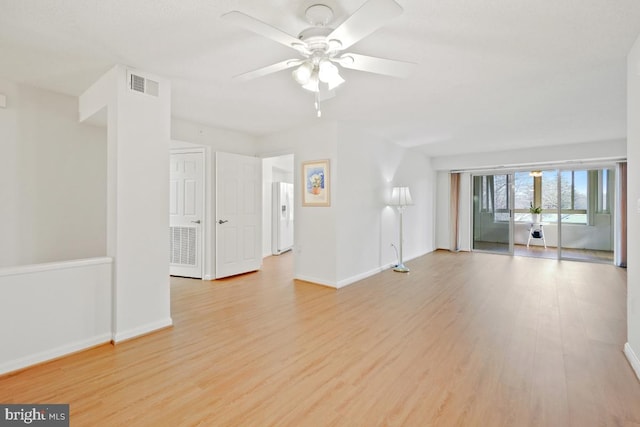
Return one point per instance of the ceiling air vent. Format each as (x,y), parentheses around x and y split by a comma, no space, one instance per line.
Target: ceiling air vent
(142,85)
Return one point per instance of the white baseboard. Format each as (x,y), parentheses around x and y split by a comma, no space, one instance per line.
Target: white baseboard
(356,278)
(411,258)
(353,279)
(633,359)
(315,281)
(24,362)
(141,330)
(208,277)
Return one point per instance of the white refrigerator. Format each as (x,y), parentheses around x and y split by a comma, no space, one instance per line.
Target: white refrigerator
(282,218)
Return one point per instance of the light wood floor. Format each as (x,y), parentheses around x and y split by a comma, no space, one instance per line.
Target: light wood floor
(550,252)
(466,339)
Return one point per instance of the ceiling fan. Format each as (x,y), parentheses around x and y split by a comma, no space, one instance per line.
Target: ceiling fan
(321,47)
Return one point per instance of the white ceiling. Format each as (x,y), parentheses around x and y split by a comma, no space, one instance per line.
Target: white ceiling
(491,74)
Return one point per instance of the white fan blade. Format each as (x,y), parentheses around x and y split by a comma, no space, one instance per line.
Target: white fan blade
(364,21)
(262,28)
(274,68)
(371,64)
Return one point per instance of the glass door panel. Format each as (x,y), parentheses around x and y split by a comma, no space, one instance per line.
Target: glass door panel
(536,201)
(587,214)
(492,219)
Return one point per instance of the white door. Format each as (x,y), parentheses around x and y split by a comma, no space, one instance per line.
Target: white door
(238,214)
(186,213)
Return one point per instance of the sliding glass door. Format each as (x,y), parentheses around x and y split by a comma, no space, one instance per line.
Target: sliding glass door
(536,213)
(587,214)
(560,213)
(492,208)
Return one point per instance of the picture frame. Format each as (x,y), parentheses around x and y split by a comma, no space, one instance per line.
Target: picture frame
(316,187)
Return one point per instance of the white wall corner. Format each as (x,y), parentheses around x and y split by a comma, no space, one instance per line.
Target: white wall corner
(633,359)
(141,330)
(3,101)
(316,281)
(353,279)
(98,95)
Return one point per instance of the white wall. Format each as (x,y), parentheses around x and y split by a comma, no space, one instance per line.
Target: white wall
(217,139)
(579,151)
(351,239)
(314,227)
(632,349)
(49,310)
(52,179)
(366,227)
(138,136)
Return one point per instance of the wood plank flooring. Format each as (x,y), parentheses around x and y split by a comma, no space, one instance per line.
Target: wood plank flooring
(466,339)
(550,252)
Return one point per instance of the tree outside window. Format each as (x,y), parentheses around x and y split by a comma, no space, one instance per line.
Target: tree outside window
(581,192)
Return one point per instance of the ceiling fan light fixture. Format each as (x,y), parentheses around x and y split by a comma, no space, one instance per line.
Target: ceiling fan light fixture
(327,71)
(322,44)
(313,85)
(303,73)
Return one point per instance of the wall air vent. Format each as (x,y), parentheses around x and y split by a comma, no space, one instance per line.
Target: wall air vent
(143,85)
(182,245)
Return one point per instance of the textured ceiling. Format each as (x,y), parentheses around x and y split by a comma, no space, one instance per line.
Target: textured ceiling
(491,74)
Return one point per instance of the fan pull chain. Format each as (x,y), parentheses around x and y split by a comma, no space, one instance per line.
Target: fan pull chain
(317,105)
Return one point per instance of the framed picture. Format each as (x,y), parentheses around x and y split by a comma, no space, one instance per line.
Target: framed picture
(316,190)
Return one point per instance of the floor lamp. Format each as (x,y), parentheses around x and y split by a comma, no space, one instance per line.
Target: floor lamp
(401,197)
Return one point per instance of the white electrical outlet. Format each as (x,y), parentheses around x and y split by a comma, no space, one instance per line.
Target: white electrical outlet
(3,101)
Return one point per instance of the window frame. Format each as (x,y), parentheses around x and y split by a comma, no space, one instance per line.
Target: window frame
(537,196)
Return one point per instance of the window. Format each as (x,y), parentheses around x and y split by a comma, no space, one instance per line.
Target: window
(543,191)
(523,192)
(574,199)
(582,193)
(501,197)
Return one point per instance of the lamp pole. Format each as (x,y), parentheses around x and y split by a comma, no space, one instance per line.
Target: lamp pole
(401,267)
(401,197)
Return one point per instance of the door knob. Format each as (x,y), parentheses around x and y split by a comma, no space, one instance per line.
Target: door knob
(222,221)
(196,221)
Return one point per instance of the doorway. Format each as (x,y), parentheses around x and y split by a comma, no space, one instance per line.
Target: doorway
(492,213)
(278,170)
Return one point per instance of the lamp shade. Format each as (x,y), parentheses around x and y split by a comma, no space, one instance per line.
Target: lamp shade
(401,196)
